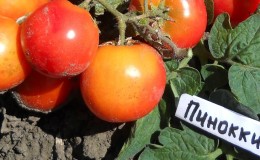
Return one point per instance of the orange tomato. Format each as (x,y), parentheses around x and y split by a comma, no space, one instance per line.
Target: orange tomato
(17,8)
(13,65)
(189,20)
(123,83)
(42,93)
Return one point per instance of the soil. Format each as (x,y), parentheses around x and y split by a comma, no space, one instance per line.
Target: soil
(71,132)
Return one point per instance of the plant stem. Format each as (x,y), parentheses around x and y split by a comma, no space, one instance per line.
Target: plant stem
(176,52)
(228,149)
(142,25)
(215,62)
(186,60)
(84,4)
(229,157)
(139,17)
(216,153)
(231,62)
(145,6)
(121,18)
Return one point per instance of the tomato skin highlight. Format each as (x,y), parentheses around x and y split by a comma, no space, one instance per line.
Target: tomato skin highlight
(123,83)
(17,8)
(189,20)
(13,65)
(43,94)
(238,10)
(59,39)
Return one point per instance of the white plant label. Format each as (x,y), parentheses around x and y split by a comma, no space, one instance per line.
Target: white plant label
(233,127)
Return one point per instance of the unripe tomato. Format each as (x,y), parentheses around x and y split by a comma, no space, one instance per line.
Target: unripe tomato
(43,94)
(189,20)
(238,10)
(59,39)
(13,65)
(123,83)
(17,8)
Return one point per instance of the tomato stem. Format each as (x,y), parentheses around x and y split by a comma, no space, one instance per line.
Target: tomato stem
(85,4)
(121,19)
(142,24)
(186,60)
(145,6)
(176,51)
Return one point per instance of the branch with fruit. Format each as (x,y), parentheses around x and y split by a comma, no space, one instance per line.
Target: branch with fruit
(131,61)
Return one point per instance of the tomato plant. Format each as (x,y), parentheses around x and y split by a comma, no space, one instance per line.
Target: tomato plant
(44,94)
(123,83)
(59,39)
(188,20)
(238,10)
(17,8)
(13,65)
(131,82)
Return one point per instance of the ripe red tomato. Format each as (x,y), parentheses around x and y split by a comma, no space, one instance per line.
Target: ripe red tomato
(17,8)
(59,39)
(239,10)
(13,65)
(123,83)
(42,93)
(189,20)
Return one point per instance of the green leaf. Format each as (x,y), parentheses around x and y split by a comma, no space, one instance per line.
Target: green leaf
(171,65)
(226,99)
(215,76)
(165,111)
(182,145)
(185,80)
(244,42)
(244,82)
(244,78)
(241,44)
(141,134)
(219,35)
(241,47)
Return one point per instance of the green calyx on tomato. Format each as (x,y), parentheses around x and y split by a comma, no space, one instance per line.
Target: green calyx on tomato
(188,20)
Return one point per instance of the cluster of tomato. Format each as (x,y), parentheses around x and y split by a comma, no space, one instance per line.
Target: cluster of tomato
(56,50)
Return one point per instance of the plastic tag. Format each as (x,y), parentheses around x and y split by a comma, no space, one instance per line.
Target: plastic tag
(233,127)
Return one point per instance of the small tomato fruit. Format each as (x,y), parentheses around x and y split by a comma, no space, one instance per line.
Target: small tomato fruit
(189,20)
(123,83)
(59,39)
(238,10)
(13,65)
(18,8)
(43,94)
